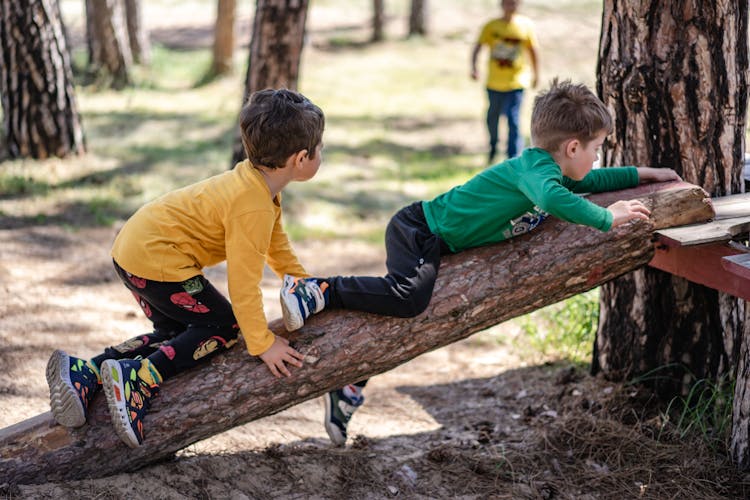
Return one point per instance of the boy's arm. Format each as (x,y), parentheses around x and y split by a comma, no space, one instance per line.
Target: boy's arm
(474,54)
(600,180)
(650,174)
(246,237)
(281,257)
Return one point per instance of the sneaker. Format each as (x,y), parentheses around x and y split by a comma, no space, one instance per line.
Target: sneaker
(300,299)
(128,396)
(339,410)
(72,385)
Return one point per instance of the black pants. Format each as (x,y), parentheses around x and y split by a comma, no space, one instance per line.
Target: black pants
(412,260)
(192,322)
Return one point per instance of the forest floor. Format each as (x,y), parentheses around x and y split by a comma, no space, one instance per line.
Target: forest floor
(481,418)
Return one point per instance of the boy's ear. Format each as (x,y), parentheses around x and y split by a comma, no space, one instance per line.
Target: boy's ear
(571,148)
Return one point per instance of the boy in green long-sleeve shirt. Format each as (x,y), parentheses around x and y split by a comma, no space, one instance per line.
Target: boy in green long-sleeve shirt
(568,126)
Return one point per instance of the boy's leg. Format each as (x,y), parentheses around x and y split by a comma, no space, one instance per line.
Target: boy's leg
(207,326)
(413,259)
(493,116)
(340,406)
(512,110)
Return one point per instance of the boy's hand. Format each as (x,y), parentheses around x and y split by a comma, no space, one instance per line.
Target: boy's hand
(649,174)
(278,354)
(627,210)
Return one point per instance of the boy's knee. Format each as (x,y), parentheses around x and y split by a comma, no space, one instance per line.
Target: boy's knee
(412,306)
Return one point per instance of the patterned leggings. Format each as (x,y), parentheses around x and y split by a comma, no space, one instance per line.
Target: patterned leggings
(192,322)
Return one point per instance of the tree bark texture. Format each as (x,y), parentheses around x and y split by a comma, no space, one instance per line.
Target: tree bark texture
(140,47)
(109,45)
(418,18)
(275,51)
(674,75)
(378,20)
(40,113)
(223,50)
(475,290)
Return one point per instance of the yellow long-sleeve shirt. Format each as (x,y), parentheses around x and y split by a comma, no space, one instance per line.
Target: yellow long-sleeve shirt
(231,217)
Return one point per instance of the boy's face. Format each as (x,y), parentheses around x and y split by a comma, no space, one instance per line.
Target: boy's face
(509,6)
(579,157)
(310,165)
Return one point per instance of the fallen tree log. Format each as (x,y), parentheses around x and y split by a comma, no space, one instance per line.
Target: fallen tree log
(476,289)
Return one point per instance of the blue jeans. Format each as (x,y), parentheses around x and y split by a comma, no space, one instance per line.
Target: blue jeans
(508,104)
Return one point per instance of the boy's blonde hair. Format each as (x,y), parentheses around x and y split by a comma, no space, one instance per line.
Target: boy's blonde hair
(276,124)
(567,111)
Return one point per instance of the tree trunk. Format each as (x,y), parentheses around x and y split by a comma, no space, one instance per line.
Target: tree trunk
(140,47)
(475,290)
(109,45)
(223,54)
(378,20)
(275,51)
(675,76)
(418,18)
(40,114)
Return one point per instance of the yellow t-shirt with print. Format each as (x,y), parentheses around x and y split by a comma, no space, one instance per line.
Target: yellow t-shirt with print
(509,43)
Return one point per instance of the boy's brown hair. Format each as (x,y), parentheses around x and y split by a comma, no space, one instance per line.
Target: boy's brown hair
(567,111)
(276,124)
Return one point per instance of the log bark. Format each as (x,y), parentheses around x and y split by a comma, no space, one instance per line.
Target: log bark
(476,289)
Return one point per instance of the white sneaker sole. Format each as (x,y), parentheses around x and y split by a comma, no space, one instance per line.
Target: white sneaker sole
(334,433)
(290,307)
(64,402)
(112,382)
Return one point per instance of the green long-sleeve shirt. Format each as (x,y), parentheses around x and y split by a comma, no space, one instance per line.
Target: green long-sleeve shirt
(512,197)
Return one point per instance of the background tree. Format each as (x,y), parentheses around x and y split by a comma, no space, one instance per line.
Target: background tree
(418,18)
(378,20)
(675,76)
(275,51)
(223,49)
(140,47)
(109,45)
(40,114)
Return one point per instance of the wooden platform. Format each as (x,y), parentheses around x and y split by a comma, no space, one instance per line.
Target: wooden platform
(715,253)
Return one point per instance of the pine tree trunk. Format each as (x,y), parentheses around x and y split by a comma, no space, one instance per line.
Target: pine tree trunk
(40,114)
(475,290)
(109,45)
(378,20)
(275,51)
(418,18)
(675,76)
(223,53)
(140,47)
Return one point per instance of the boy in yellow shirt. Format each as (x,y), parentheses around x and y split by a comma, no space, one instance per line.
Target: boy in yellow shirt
(512,45)
(159,255)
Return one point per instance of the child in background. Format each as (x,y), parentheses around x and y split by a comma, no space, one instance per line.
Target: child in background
(161,251)
(569,125)
(512,52)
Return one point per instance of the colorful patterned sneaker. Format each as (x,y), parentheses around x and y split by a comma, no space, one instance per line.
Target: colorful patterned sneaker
(300,299)
(339,410)
(72,385)
(129,385)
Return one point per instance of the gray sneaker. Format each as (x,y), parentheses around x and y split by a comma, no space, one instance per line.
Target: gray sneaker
(300,299)
(339,410)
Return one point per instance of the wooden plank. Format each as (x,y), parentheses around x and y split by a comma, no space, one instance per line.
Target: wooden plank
(738,264)
(735,205)
(713,265)
(709,232)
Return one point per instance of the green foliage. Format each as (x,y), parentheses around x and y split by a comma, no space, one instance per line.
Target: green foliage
(565,330)
(16,185)
(706,410)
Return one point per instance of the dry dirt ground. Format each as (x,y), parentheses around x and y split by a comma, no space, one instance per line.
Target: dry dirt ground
(471,420)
